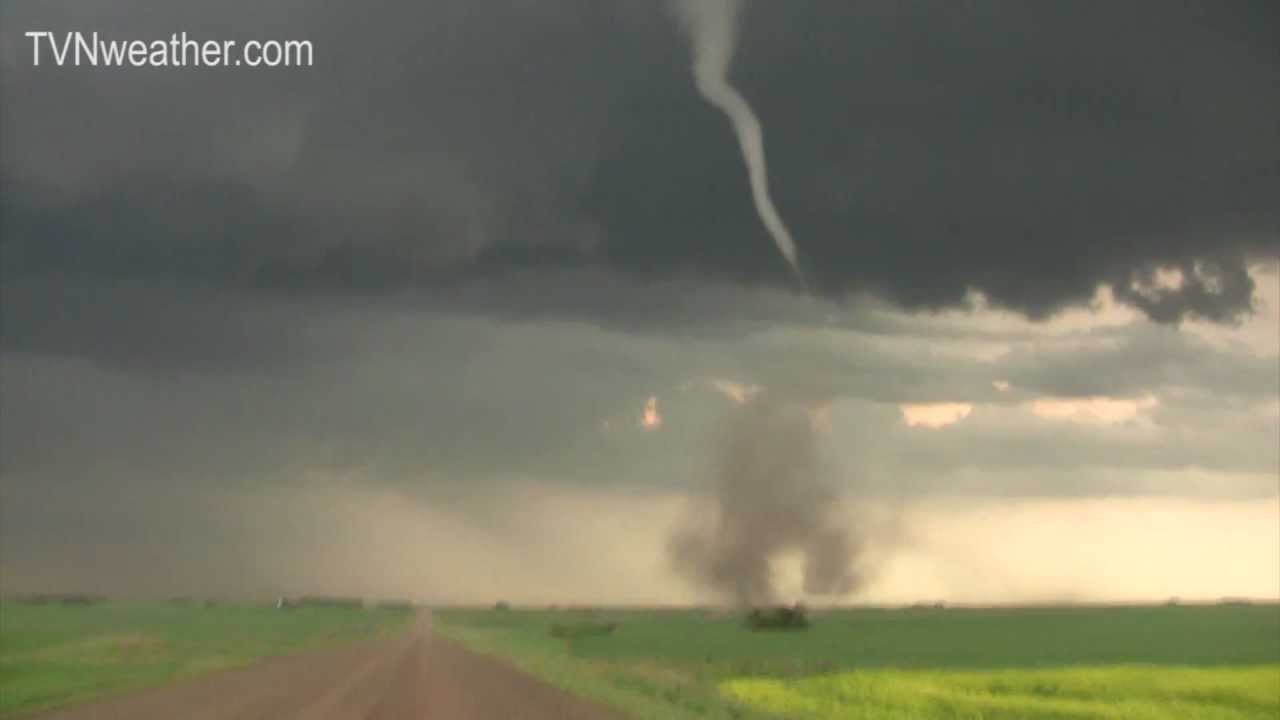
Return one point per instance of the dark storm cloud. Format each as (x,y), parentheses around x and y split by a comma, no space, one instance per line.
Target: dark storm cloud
(458,255)
(429,400)
(1029,152)
(919,150)
(416,396)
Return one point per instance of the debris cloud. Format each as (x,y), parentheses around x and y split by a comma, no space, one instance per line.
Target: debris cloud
(768,498)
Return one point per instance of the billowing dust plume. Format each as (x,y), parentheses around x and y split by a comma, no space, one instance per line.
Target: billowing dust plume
(768,498)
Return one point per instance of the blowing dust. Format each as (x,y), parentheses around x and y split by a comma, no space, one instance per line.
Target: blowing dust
(768,498)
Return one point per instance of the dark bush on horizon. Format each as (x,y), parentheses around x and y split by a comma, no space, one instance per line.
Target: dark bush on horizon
(585,628)
(779,618)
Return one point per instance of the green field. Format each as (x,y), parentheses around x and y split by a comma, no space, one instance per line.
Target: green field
(56,654)
(1212,662)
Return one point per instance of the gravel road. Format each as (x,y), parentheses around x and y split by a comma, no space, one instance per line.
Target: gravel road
(413,676)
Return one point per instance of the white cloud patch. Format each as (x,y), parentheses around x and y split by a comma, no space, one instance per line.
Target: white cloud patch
(1102,410)
(935,415)
(735,391)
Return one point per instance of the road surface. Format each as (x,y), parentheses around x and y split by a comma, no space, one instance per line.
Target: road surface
(417,676)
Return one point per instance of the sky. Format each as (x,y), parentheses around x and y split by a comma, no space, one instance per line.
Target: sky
(463,311)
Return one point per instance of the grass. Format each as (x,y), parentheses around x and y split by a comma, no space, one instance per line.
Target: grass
(636,687)
(53,655)
(1084,662)
(1119,692)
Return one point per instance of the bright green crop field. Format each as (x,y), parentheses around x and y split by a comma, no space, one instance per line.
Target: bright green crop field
(58,654)
(1215,662)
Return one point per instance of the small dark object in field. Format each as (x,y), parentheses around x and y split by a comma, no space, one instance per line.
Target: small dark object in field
(582,629)
(779,618)
(502,605)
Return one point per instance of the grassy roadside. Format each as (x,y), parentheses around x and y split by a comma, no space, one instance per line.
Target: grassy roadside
(53,655)
(636,688)
(1211,662)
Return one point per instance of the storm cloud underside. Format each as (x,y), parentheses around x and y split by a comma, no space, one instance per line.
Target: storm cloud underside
(413,282)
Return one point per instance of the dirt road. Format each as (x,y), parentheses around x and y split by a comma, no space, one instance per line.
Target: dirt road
(417,676)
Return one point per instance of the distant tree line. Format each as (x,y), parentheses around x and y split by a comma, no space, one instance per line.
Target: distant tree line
(59,599)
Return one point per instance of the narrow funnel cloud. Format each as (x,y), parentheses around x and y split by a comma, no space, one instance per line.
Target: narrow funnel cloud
(712,26)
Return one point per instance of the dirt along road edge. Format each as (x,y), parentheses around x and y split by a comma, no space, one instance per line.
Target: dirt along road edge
(416,675)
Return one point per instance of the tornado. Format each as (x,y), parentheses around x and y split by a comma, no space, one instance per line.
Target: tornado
(712,27)
(767,498)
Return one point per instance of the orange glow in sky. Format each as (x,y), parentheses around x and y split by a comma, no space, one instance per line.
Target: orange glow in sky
(651,419)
